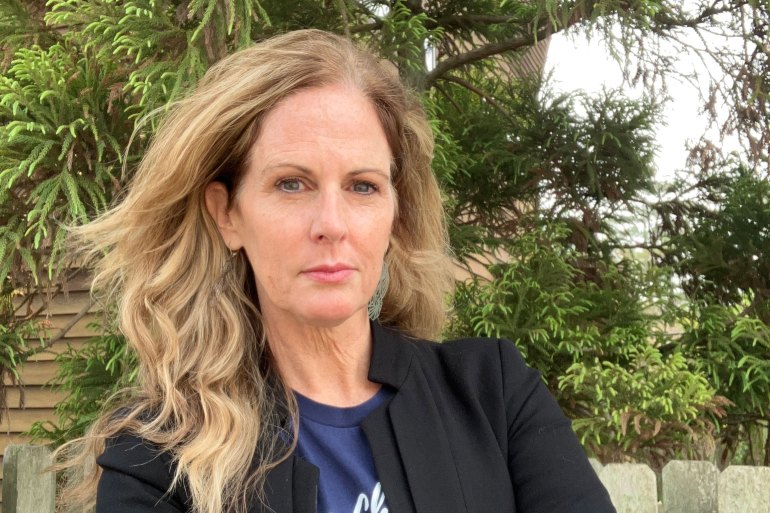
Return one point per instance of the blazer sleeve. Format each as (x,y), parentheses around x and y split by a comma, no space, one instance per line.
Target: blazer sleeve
(549,470)
(136,477)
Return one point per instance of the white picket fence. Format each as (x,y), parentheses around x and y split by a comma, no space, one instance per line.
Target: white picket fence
(686,486)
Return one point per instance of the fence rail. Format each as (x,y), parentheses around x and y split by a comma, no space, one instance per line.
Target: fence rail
(685,486)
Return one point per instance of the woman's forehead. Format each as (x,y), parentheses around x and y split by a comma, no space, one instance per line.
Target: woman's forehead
(328,120)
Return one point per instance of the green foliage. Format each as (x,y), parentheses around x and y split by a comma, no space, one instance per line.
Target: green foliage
(60,146)
(732,349)
(163,47)
(724,249)
(20,338)
(21,24)
(403,39)
(68,108)
(528,157)
(92,376)
(714,234)
(530,299)
(597,346)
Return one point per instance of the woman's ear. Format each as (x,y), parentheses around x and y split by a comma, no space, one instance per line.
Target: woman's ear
(218,204)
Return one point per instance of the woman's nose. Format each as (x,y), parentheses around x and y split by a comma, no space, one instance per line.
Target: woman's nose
(330,219)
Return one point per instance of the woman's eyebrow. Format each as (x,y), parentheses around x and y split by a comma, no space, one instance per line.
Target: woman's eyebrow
(375,170)
(301,169)
(308,172)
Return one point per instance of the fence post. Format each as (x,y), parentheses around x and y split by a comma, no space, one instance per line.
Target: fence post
(743,489)
(26,488)
(633,488)
(690,487)
(596,465)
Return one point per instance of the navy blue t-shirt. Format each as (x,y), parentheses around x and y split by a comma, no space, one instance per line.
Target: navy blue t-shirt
(331,438)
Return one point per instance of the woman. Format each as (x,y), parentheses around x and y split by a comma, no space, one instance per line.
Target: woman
(279,254)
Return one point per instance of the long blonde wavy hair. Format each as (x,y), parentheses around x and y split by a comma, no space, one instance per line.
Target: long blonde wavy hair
(208,393)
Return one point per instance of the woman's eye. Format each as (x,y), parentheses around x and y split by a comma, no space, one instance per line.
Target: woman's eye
(364,188)
(289,185)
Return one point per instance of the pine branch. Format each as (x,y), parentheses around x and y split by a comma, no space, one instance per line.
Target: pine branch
(483,52)
(478,92)
(471,20)
(63,332)
(448,21)
(665,20)
(366,27)
(342,7)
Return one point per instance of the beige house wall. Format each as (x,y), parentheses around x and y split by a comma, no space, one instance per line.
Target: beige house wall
(40,400)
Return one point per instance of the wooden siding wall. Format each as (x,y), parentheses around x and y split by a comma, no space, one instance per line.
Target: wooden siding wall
(40,400)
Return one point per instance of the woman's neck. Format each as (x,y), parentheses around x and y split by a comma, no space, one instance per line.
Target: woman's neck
(329,365)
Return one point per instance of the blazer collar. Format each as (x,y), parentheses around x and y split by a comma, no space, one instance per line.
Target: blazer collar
(392,354)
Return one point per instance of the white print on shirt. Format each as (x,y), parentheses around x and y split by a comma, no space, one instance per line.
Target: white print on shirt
(376,503)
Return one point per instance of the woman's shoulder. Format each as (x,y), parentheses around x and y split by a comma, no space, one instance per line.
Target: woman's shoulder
(124,446)
(481,353)
(135,471)
(486,366)
(461,357)
(132,454)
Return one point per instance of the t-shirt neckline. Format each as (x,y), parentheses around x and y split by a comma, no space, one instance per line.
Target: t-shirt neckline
(336,416)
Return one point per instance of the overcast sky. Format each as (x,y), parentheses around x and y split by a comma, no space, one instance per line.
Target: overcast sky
(579,64)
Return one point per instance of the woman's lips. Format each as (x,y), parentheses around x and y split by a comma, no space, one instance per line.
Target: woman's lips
(329,273)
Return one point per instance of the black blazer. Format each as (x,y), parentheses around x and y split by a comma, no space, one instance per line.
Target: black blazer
(469,429)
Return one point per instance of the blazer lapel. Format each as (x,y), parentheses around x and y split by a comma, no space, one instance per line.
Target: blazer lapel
(305,486)
(278,489)
(291,487)
(411,420)
(387,459)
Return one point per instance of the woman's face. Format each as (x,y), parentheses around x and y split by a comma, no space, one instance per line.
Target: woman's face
(315,207)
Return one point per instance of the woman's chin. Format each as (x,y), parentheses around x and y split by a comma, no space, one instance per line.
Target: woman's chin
(330,316)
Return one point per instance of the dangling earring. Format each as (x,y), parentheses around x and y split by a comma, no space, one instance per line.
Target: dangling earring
(227,268)
(375,304)
(229,264)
